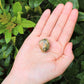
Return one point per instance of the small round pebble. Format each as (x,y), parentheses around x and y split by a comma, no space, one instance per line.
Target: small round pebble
(44,45)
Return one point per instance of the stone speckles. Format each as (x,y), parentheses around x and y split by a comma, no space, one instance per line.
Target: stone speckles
(44,45)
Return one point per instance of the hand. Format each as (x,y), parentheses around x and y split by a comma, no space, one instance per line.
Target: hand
(32,66)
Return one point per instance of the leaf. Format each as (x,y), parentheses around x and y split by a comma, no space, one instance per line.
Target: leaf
(5,18)
(2,28)
(17,8)
(27,23)
(82,42)
(7,52)
(2,41)
(38,10)
(10,26)
(1,79)
(1,69)
(1,73)
(7,36)
(82,80)
(0,50)
(1,56)
(27,8)
(2,31)
(63,82)
(0,11)
(78,51)
(80,75)
(15,30)
(56,2)
(18,18)
(4,47)
(71,72)
(7,61)
(10,1)
(58,78)
(79,29)
(7,9)
(9,69)
(35,3)
(3,2)
(81,16)
(16,51)
(82,65)
(20,29)
(13,19)
(81,58)
(77,39)
(13,39)
(75,3)
(82,27)
(81,4)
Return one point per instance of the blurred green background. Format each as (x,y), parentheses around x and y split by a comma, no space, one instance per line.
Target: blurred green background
(17,20)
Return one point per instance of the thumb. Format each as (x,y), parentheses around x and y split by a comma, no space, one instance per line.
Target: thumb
(63,62)
(68,49)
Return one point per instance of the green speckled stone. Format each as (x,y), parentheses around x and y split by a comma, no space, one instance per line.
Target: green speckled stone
(44,45)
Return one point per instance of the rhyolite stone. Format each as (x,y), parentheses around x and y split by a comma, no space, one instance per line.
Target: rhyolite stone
(44,45)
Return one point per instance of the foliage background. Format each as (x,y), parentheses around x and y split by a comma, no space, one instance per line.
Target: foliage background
(17,20)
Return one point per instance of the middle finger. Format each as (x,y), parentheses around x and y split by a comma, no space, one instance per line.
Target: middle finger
(62,21)
(52,20)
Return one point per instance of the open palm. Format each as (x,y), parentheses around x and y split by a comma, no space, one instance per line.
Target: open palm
(37,67)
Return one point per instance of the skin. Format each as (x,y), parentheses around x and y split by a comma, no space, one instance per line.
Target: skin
(31,65)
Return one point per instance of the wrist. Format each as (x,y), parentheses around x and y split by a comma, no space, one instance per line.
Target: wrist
(14,78)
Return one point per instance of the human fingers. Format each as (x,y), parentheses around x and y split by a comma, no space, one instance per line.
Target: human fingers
(69,28)
(52,20)
(42,21)
(62,21)
(63,62)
